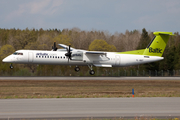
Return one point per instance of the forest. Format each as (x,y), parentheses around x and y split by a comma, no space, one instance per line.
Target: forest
(40,39)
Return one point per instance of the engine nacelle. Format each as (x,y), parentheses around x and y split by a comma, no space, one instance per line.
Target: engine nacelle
(77,56)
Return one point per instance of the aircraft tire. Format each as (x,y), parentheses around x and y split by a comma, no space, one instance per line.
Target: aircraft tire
(77,69)
(11,67)
(91,72)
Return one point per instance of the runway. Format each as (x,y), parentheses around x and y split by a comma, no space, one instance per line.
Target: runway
(89,78)
(155,107)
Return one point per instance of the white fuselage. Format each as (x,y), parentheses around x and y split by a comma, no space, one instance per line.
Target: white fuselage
(111,59)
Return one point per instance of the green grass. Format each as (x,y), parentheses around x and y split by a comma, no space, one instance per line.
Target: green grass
(88,88)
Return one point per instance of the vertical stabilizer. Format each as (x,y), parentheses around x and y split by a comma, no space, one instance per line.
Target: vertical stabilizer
(157,46)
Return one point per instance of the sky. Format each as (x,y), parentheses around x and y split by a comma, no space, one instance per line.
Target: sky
(104,15)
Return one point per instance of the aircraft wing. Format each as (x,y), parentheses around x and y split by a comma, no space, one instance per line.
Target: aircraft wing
(65,46)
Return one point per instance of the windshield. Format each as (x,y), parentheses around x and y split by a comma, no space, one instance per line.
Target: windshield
(17,53)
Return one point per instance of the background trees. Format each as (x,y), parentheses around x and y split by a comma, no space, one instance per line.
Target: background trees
(144,40)
(15,39)
(101,45)
(6,50)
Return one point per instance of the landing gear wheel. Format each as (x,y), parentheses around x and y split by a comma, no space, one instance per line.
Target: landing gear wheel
(11,67)
(91,72)
(77,69)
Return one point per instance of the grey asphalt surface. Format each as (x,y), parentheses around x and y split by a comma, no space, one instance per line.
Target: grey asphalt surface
(89,78)
(90,107)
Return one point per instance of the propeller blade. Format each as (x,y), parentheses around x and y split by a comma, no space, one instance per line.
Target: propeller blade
(69,48)
(54,47)
(68,54)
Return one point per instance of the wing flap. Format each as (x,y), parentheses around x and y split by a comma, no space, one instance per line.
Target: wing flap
(102,65)
(96,53)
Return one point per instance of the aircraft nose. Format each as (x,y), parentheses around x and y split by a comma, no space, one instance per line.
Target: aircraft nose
(4,60)
(7,59)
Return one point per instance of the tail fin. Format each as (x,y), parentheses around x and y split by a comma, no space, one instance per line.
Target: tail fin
(157,46)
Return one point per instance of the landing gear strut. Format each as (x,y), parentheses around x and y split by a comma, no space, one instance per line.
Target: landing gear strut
(11,66)
(77,69)
(91,72)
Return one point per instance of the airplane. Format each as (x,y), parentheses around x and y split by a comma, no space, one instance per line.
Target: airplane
(71,56)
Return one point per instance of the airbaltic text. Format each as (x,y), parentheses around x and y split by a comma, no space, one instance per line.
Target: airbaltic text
(156,50)
(45,54)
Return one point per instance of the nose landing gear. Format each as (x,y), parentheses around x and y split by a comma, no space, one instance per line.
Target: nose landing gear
(11,66)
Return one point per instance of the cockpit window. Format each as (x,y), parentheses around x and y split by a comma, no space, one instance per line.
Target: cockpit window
(17,53)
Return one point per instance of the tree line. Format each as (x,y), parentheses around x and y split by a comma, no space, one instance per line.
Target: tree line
(40,39)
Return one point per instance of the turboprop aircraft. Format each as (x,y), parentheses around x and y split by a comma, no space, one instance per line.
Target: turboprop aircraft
(71,56)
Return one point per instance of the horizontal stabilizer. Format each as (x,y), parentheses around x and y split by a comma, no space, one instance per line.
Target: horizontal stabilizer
(163,33)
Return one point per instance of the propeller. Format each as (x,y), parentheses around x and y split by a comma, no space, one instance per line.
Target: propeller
(54,47)
(68,54)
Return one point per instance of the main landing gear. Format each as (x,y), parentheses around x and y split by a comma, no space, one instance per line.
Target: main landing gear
(91,72)
(77,69)
(11,66)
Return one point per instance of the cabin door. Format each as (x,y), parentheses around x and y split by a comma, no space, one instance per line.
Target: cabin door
(117,60)
(30,57)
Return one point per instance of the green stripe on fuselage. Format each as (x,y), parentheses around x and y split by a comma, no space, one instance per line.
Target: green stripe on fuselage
(134,52)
